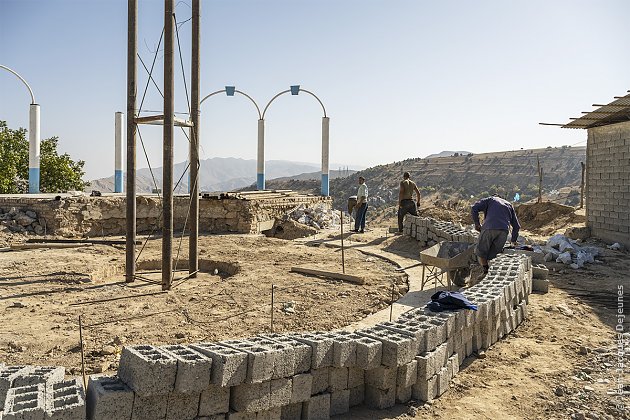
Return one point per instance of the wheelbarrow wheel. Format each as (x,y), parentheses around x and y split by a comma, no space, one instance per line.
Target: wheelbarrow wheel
(458,277)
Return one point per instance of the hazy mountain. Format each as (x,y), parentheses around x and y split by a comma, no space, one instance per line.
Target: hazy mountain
(446,153)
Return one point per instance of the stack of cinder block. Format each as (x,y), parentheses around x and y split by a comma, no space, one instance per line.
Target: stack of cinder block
(317,374)
(40,392)
(429,231)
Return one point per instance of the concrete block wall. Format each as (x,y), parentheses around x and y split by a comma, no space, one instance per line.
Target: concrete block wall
(429,231)
(96,216)
(608,182)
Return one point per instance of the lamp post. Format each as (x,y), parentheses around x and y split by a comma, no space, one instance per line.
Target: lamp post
(33,137)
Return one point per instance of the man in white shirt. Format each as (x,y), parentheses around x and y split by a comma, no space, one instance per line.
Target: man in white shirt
(362,195)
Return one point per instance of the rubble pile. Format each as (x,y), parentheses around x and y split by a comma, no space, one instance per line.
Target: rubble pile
(318,216)
(571,252)
(21,221)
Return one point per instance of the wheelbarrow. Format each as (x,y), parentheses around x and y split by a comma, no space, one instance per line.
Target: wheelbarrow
(450,258)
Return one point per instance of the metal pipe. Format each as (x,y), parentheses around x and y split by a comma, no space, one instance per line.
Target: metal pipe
(167,153)
(325,156)
(118,153)
(30,91)
(272,305)
(343,254)
(132,50)
(260,161)
(193,240)
(34,149)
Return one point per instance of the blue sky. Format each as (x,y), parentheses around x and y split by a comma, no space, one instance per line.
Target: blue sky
(399,78)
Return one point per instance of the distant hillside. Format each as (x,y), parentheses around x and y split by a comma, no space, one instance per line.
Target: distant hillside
(447,153)
(461,177)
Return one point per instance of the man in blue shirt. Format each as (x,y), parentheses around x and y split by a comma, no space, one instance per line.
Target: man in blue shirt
(499,215)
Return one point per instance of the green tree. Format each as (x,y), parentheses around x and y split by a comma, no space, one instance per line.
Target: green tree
(59,173)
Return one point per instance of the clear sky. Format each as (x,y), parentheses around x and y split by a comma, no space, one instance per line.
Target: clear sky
(399,78)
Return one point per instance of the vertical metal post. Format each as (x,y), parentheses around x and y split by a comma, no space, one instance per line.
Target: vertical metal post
(582,185)
(82,353)
(118,153)
(34,149)
(167,152)
(272,304)
(132,47)
(343,255)
(260,161)
(325,153)
(193,240)
(391,305)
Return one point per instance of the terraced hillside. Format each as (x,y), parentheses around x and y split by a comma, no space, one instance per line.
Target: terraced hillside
(460,177)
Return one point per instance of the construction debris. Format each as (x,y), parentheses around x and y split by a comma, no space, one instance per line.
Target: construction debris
(318,216)
(561,249)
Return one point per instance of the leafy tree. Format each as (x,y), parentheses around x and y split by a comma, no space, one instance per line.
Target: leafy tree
(58,173)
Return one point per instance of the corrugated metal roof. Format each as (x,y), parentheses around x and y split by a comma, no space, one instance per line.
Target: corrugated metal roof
(615,112)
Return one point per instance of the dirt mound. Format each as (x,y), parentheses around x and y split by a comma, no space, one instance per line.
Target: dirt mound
(546,217)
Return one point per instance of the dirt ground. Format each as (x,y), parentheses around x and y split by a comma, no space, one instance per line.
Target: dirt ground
(560,363)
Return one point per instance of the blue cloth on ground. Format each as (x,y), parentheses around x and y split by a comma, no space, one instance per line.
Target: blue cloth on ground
(449,301)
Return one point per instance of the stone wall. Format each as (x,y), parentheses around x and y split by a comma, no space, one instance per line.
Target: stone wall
(96,216)
(608,182)
(308,375)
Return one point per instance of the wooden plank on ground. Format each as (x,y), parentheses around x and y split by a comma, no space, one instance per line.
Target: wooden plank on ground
(329,274)
(80,241)
(17,247)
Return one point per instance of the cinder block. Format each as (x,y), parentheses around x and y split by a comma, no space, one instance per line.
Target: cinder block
(444,380)
(108,398)
(453,364)
(149,408)
(425,390)
(339,402)
(214,400)
(338,378)
(242,415)
(302,388)
(251,397)
(40,375)
(344,349)
(65,400)
(411,328)
(284,356)
(540,285)
(147,370)
(291,411)
(274,413)
(182,406)
(356,377)
(260,359)
(380,398)
(539,271)
(280,392)
(321,380)
(321,348)
(8,374)
(398,349)
(317,407)
(369,352)
(357,395)
(403,394)
(302,353)
(229,366)
(382,377)
(407,374)
(26,403)
(193,369)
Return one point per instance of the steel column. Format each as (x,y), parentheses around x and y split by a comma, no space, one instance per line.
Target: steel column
(325,155)
(34,147)
(260,162)
(132,46)
(118,153)
(193,240)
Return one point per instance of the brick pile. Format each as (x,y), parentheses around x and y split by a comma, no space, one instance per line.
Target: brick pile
(430,231)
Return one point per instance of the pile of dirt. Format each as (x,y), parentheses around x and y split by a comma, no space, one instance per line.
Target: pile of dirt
(547,217)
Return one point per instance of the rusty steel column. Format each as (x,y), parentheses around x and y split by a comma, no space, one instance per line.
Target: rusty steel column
(193,240)
(132,37)
(167,153)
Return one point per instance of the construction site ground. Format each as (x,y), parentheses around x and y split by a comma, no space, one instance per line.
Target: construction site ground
(560,363)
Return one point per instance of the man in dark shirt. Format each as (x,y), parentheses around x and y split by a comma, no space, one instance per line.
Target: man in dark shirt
(499,215)
(405,199)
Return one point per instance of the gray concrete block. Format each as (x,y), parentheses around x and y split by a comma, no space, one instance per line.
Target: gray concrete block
(229,366)
(344,349)
(369,352)
(108,398)
(407,374)
(283,359)
(540,285)
(242,415)
(65,400)
(274,413)
(338,378)
(214,417)
(339,402)
(357,395)
(321,380)
(430,363)
(148,370)
(280,392)
(251,397)
(182,406)
(321,348)
(411,328)
(193,369)
(317,407)
(356,377)
(382,377)
(292,411)
(302,387)
(260,359)
(398,349)
(403,394)
(40,375)
(301,354)
(425,390)
(8,374)
(214,400)
(26,403)
(152,407)
(444,380)
(380,398)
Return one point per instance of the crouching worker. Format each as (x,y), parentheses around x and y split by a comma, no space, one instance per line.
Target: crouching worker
(499,215)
